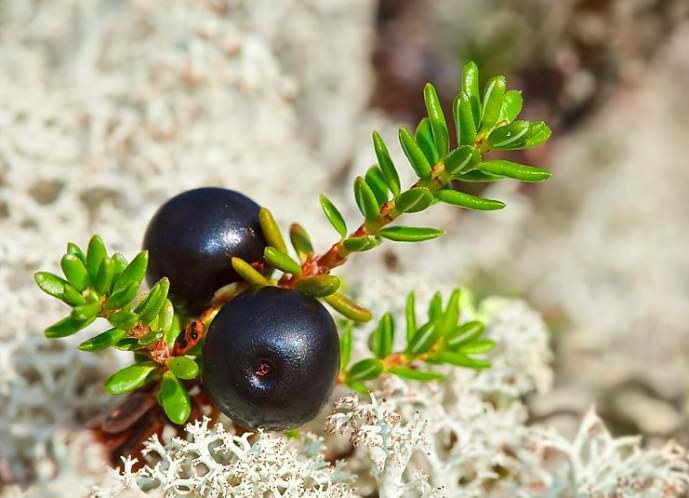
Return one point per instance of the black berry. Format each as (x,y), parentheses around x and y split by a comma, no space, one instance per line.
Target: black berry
(271,358)
(192,237)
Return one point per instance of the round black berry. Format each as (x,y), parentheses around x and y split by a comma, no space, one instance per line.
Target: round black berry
(192,237)
(271,358)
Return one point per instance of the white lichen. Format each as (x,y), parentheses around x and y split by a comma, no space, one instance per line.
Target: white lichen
(213,462)
(599,465)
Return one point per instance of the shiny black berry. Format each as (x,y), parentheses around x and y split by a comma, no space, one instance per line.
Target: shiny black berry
(192,237)
(271,358)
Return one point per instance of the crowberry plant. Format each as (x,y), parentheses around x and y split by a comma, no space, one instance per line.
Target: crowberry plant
(233,313)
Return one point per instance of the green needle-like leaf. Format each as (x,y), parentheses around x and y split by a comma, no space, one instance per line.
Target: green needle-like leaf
(57,287)
(124,319)
(75,250)
(358,387)
(415,155)
(424,139)
(174,399)
(183,367)
(75,271)
(271,230)
(130,378)
(414,200)
(409,234)
(461,160)
(318,286)
(464,120)
(462,199)
(128,344)
(151,306)
(66,327)
(103,340)
(281,261)
(88,311)
(511,106)
(249,273)
(50,284)
(367,369)
(166,318)
(346,345)
(423,340)
(95,255)
(492,102)
(334,216)
(510,137)
(539,133)
(451,315)
(300,241)
(366,199)
(348,308)
(120,263)
(122,297)
(382,338)
(479,177)
(470,87)
(170,335)
(132,275)
(460,360)
(386,165)
(414,374)
(465,334)
(435,307)
(105,276)
(410,316)
(478,347)
(374,178)
(436,116)
(517,171)
(361,244)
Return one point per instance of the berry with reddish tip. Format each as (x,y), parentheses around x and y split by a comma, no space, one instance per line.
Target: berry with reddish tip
(270,359)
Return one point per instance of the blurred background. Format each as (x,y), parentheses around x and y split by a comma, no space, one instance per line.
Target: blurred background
(108,107)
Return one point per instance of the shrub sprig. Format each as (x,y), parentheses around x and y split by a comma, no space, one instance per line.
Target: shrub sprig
(96,285)
(441,339)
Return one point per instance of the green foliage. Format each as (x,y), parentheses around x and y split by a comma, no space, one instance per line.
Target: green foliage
(174,398)
(409,234)
(348,308)
(366,199)
(442,339)
(281,261)
(131,378)
(387,167)
(318,286)
(249,273)
(415,155)
(183,367)
(271,230)
(414,200)
(301,241)
(97,285)
(334,216)
(484,121)
(376,181)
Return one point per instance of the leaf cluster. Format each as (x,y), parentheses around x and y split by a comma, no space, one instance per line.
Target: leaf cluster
(98,285)
(277,257)
(484,121)
(441,339)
